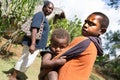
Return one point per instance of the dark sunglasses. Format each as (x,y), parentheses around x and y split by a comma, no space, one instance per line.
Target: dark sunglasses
(90,23)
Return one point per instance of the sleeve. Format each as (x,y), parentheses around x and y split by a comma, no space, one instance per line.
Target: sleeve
(77,49)
(37,20)
(46,50)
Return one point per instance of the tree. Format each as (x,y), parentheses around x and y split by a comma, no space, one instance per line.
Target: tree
(113,3)
(15,12)
(112,42)
(106,66)
(73,27)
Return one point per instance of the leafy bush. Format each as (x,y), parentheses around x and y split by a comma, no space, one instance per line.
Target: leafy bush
(73,27)
(108,68)
(13,13)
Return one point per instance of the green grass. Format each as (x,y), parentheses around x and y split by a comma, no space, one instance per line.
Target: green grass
(95,77)
(7,65)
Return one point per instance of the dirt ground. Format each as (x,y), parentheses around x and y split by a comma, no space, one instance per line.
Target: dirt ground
(15,48)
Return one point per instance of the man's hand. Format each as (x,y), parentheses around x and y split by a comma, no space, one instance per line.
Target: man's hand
(32,48)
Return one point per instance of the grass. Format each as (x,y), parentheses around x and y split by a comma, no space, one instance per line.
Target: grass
(95,77)
(7,66)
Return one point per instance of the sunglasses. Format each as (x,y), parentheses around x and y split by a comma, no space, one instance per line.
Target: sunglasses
(90,23)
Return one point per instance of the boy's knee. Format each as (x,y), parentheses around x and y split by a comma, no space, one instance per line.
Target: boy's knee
(52,73)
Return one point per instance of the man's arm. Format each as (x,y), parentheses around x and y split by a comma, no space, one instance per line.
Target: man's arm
(33,40)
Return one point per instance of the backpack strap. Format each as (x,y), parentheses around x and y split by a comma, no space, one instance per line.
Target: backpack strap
(39,34)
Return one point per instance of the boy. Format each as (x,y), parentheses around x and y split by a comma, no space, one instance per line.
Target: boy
(81,53)
(59,40)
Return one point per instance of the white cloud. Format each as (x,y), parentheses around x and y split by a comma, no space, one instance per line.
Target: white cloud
(82,8)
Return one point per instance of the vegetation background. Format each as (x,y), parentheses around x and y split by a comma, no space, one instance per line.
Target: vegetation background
(13,13)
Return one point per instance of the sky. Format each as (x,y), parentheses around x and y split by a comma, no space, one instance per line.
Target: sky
(82,8)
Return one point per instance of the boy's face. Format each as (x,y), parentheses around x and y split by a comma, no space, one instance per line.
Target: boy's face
(91,26)
(57,44)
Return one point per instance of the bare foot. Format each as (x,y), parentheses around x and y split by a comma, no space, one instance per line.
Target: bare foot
(11,77)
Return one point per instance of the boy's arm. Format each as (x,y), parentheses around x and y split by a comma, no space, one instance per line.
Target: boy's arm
(48,63)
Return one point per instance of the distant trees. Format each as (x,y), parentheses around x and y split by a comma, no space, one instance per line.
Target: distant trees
(108,67)
(112,42)
(113,3)
(113,38)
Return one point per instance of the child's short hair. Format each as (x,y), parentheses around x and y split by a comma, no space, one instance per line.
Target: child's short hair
(61,34)
(104,21)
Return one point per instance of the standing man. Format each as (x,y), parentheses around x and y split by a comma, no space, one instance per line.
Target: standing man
(31,46)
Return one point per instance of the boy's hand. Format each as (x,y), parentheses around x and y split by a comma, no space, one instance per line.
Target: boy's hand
(62,60)
(63,57)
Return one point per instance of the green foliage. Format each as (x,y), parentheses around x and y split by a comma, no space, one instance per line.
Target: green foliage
(101,60)
(14,12)
(113,3)
(109,68)
(112,41)
(112,68)
(73,27)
